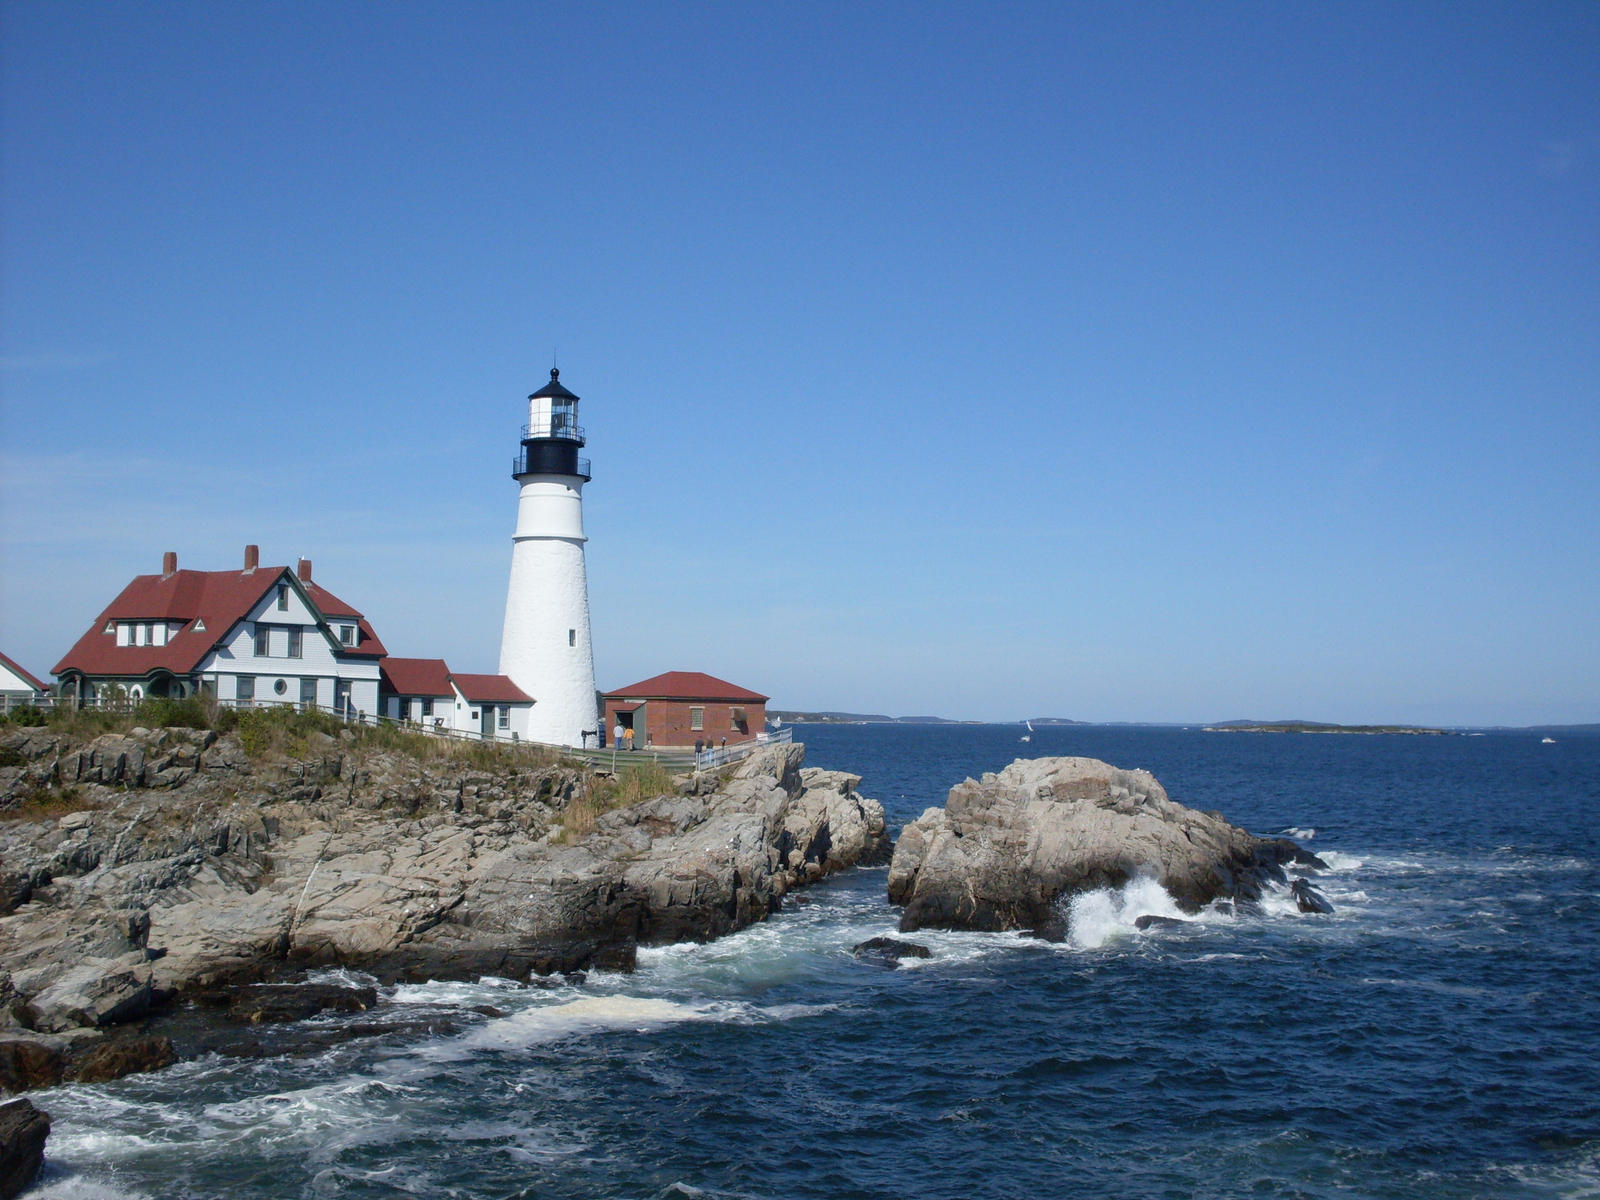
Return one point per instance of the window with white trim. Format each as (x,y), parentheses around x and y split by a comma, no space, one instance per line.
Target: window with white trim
(503,716)
(347,635)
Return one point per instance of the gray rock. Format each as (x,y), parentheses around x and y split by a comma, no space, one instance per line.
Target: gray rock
(96,993)
(409,868)
(1307,899)
(888,952)
(1007,847)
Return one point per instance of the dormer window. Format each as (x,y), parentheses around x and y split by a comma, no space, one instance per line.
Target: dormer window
(347,635)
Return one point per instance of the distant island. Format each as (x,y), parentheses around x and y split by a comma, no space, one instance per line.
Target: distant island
(1315,727)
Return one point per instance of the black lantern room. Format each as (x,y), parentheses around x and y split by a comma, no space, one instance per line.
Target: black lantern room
(551,439)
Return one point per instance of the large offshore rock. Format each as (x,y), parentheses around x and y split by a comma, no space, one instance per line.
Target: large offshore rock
(1006,848)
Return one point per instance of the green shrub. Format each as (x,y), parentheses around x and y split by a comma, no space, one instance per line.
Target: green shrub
(281,729)
(28,714)
(160,712)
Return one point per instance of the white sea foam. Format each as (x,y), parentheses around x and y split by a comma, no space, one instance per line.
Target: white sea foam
(58,1183)
(1094,918)
(586,1015)
(456,994)
(1339,861)
(1301,834)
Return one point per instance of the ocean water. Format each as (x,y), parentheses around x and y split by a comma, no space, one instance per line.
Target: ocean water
(1437,1036)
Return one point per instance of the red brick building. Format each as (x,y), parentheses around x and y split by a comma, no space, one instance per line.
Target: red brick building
(681,707)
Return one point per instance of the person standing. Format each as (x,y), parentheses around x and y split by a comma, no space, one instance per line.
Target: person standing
(616,736)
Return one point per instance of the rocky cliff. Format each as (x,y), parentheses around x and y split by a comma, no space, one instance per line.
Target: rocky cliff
(1006,848)
(138,868)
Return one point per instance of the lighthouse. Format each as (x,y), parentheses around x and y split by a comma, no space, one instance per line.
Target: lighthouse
(544,644)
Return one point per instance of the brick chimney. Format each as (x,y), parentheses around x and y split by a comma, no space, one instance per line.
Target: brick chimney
(303,569)
(252,558)
(169,564)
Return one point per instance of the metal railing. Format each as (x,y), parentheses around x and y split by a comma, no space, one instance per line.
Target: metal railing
(519,466)
(554,429)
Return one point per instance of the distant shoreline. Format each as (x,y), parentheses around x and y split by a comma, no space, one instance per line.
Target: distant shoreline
(849,718)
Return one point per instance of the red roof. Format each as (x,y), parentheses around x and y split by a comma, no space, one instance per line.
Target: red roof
(25,676)
(416,676)
(490,689)
(686,685)
(217,599)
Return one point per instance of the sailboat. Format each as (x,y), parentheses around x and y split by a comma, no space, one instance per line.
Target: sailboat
(1027,737)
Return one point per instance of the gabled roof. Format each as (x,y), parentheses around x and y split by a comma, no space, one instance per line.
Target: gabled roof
(416,676)
(490,689)
(209,604)
(26,676)
(686,685)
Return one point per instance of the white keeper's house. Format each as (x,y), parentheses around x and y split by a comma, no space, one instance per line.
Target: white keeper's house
(271,635)
(258,635)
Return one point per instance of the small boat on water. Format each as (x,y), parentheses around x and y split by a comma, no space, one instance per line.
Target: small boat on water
(1027,737)
(1548,741)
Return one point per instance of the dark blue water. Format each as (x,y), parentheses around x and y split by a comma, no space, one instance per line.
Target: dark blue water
(1436,1037)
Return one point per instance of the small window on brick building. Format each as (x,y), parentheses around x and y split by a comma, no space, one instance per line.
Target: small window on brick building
(697,717)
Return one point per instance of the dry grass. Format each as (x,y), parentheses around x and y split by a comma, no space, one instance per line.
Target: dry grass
(631,785)
(46,804)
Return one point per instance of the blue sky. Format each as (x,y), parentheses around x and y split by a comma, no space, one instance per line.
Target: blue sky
(1119,362)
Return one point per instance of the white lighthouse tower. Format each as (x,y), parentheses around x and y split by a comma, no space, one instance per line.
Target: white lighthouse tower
(544,644)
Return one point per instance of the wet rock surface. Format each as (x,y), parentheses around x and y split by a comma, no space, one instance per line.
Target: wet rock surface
(887,951)
(23,1130)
